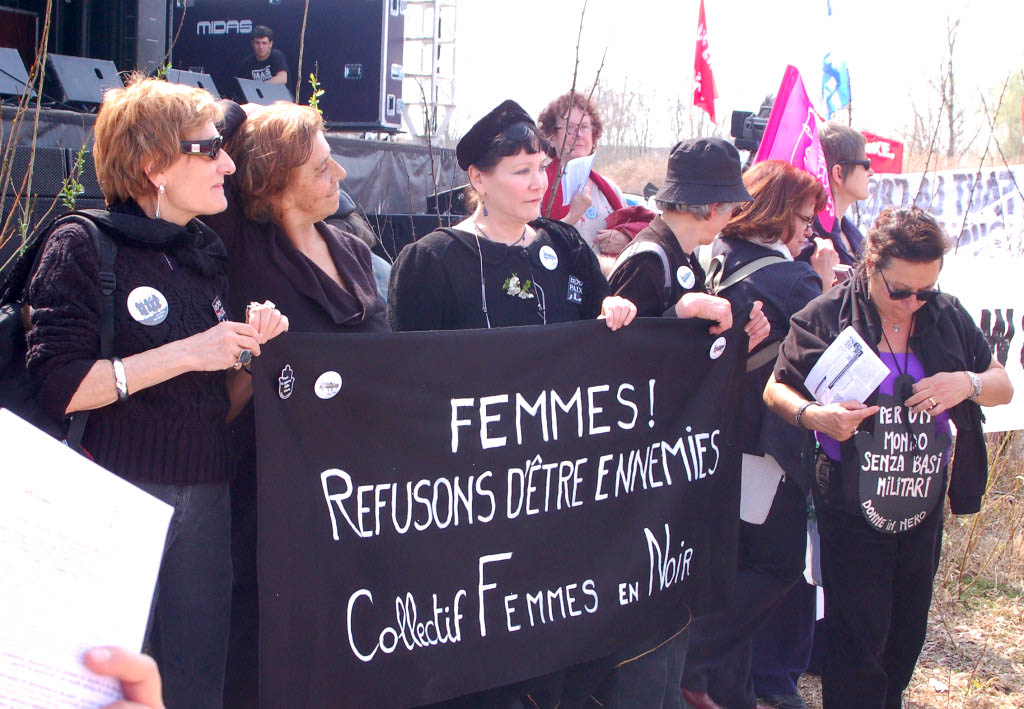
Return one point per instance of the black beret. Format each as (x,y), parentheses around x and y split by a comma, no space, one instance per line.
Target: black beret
(475,143)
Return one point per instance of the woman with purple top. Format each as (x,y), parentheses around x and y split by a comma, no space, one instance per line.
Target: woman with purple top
(878,491)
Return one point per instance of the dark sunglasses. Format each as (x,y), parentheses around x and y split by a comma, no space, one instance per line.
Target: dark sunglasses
(922,295)
(209,147)
(866,164)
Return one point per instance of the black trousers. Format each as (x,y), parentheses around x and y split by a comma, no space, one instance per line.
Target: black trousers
(878,588)
(771,561)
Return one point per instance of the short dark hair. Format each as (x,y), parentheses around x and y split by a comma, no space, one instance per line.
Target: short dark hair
(517,138)
(261,31)
(840,143)
(908,234)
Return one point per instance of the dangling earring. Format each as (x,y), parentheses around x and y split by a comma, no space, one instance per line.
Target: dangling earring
(159,194)
(484,205)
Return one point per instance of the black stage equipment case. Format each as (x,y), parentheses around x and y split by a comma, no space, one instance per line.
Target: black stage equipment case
(355,47)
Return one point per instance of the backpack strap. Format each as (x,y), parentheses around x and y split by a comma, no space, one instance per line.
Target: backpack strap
(107,251)
(768,353)
(717,282)
(648,247)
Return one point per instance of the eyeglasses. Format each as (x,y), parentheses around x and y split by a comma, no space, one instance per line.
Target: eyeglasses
(809,221)
(209,147)
(866,164)
(577,128)
(922,295)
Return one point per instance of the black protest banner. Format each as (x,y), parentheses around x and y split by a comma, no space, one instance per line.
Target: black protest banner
(444,512)
(901,463)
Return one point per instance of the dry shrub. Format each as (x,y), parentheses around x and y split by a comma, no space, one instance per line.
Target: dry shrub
(631,172)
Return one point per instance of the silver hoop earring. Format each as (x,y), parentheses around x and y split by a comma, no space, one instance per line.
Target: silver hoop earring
(159,194)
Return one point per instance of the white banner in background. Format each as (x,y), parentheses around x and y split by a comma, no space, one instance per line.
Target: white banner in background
(985,269)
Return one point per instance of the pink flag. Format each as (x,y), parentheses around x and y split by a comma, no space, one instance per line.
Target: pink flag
(792,135)
(704,94)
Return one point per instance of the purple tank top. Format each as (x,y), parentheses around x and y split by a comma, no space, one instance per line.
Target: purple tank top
(916,370)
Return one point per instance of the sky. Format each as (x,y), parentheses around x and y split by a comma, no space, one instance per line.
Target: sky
(524,49)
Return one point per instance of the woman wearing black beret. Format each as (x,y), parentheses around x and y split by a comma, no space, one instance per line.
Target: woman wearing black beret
(503,265)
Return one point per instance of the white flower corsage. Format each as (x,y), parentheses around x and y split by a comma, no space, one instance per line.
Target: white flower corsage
(513,287)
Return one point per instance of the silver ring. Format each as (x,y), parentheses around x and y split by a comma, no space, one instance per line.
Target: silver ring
(244,357)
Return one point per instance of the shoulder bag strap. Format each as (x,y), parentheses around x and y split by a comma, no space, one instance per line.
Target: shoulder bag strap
(107,251)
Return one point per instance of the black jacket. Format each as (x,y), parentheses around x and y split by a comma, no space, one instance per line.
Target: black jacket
(783,289)
(945,339)
(442,282)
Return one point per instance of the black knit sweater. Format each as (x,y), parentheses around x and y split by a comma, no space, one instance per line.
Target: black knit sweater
(436,282)
(174,432)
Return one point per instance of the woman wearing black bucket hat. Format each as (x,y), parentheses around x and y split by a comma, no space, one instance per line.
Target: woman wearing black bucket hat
(503,265)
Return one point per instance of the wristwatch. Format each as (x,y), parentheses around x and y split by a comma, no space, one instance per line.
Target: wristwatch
(976,386)
(120,378)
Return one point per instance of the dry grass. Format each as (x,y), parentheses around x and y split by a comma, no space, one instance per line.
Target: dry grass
(974,654)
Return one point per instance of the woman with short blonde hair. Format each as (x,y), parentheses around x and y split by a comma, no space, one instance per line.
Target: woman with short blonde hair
(159,403)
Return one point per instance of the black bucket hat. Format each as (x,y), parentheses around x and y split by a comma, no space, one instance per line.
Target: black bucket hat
(478,139)
(703,171)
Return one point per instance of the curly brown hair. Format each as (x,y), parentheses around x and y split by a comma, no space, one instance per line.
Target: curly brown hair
(907,234)
(267,149)
(778,190)
(559,108)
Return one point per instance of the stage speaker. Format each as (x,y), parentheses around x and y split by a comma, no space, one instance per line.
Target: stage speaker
(81,80)
(13,77)
(354,46)
(88,180)
(193,78)
(394,231)
(262,92)
(451,201)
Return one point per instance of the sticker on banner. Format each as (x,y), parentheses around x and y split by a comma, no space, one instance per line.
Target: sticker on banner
(327,385)
(147,305)
(684,274)
(286,382)
(717,348)
(548,257)
(591,212)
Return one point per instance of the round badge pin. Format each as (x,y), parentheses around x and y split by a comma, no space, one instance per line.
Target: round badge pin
(591,212)
(147,305)
(548,257)
(327,385)
(684,274)
(717,348)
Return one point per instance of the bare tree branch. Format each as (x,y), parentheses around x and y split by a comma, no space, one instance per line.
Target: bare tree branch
(977,178)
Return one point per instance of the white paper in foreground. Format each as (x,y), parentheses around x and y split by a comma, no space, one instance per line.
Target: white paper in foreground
(849,370)
(577,172)
(80,549)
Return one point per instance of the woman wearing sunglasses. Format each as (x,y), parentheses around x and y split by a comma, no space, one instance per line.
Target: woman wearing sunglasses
(159,406)
(878,577)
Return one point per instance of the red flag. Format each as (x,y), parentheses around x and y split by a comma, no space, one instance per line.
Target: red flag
(704,94)
(885,154)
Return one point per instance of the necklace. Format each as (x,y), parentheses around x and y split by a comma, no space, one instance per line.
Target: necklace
(896,325)
(522,237)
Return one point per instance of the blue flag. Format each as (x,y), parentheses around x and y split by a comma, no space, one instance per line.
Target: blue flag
(835,78)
